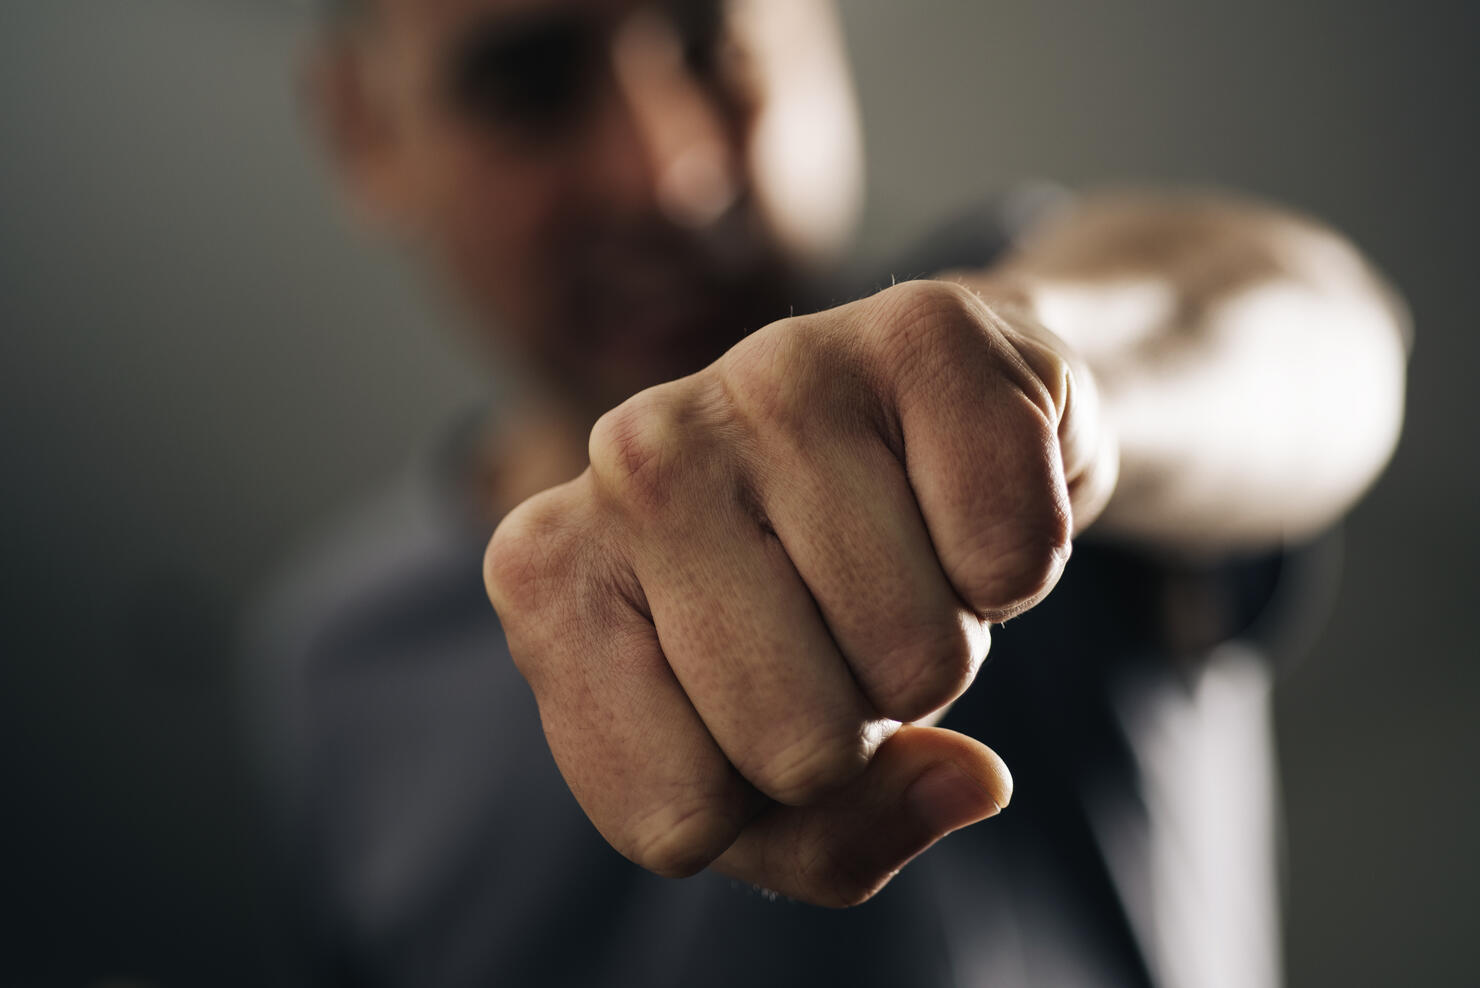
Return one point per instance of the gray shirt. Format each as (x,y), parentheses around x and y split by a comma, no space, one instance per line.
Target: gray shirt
(428,839)
(432,842)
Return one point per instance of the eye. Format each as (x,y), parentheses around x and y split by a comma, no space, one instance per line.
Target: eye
(533,78)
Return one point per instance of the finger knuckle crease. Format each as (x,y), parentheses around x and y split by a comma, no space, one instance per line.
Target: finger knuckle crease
(681,838)
(812,766)
(1005,573)
(926,672)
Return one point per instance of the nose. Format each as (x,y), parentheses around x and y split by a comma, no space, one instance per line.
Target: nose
(670,144)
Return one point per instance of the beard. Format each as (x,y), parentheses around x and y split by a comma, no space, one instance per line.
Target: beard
(641,305)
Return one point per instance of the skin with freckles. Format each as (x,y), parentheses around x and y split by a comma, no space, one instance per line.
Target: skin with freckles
(786,538)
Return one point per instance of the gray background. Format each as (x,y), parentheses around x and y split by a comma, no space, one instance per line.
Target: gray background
(199,364)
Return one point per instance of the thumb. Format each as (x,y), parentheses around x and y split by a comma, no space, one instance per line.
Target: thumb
(922,783)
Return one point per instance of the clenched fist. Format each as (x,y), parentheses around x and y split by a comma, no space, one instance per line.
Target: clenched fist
(775,564)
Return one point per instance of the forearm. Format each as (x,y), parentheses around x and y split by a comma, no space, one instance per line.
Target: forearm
(1251,363)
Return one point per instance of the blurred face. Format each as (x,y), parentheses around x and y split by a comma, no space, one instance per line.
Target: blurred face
(619,188)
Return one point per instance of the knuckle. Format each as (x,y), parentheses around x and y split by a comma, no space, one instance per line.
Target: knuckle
(800,772)
(929,670)
(770,377)
(912,301)
(1057,375)
(635,448)
(918,318)
(1052,383)
(536,547)
(681,838)
(1018,550)
(1008,575)
(523,553)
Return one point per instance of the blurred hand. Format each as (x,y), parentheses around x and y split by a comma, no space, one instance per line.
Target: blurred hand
(774,562)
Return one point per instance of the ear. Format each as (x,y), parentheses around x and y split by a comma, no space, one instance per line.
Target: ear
(353,120)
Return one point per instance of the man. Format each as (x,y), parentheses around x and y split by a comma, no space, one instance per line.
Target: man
(791,526)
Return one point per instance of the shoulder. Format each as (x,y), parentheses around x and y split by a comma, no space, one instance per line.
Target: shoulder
(396,747)
(373,571)
(388,597)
